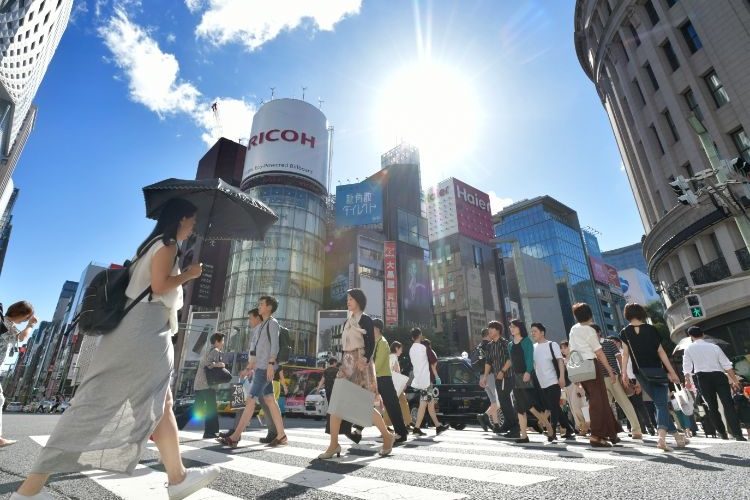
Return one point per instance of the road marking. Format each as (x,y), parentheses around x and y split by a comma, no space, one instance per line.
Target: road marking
(340,484)
(144,483)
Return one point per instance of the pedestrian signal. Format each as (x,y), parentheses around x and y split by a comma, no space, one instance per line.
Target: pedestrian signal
(695,305)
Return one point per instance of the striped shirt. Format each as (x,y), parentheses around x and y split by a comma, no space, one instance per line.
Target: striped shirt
(611,351)
(497,354)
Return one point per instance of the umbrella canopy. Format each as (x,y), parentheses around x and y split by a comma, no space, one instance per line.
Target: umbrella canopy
(224,212)
(711,340)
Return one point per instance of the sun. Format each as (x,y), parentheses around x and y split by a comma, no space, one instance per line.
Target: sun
(432,106)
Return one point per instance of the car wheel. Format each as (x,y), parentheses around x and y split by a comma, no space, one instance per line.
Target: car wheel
(459,427)
(500,417)
(413,411)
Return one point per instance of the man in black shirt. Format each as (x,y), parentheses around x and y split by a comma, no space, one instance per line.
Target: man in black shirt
(498,362)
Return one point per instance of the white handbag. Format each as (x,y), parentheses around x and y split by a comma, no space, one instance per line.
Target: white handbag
(351,402)
(579,369)
(685,399)
(399,382)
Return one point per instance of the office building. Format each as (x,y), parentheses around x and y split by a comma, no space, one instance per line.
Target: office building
(629,257)
(7,202)
(608,286)
(673,78)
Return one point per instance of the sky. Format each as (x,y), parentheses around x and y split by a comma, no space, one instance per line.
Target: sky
(492,92)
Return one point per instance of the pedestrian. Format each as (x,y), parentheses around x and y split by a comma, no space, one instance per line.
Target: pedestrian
(615,390)
(526,386)
(706,366)
(20,312)
(262,363)
(422,382)
(643,342)
(358,344)
(575,395)
(255,321)
(498,372)
(488,419)
(386,389)
(396,350)
(550,372)
(634,392)
(205,395)
(432,359)
(125,396)
(585,341)
(742,407)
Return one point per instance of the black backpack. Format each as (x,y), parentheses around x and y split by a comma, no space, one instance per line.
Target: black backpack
(284,343)
(103,304)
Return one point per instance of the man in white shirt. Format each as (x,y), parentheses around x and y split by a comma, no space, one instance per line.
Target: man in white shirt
(708,367)
(421,382)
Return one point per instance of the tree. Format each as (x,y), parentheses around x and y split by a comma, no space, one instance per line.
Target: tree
(656,312)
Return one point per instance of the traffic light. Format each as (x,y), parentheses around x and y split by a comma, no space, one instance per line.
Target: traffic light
(681,188)
(741,166)
(696,308)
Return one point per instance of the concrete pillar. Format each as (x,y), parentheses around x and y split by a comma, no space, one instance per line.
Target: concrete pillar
(726,244)
(685,265)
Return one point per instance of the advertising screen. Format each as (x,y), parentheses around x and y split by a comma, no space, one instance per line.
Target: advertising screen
(414,280)
(330,325)
(604,273)
(201,326)
(373,289)
(359,204)
(288,136)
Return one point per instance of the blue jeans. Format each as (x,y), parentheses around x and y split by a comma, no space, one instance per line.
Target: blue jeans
(660,394)
(260,386)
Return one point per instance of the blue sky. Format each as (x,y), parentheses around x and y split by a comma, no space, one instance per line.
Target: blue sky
(126,100)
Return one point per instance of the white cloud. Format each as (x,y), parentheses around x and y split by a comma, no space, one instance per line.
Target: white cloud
(171,38)
(255,22)
(194,5)
(235,116)
(81,9)
(497,203)
(153,80)
(152,74)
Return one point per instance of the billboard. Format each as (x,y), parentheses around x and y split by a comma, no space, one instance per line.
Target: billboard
(288,136)
(414,281)
(359,204)
(373,289)
(391,283)
(637,287)
(330,326)
(455,207)
(208,289)
(604,273)
(200,327)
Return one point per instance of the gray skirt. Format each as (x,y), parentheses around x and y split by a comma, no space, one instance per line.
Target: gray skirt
(120,401)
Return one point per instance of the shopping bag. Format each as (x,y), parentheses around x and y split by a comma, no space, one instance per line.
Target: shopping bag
(351,402)
(399,382)
(238,397)
(586,413)
(685,398)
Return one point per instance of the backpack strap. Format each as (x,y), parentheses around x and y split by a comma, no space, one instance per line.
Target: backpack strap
(554,359)
(147,291)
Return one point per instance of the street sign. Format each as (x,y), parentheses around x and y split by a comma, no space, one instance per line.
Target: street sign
(696,312)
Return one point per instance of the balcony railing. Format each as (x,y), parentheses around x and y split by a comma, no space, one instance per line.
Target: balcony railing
(715,270)
(677,290)
(744,257)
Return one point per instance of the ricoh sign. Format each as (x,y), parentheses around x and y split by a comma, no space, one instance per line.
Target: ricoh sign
(290,137)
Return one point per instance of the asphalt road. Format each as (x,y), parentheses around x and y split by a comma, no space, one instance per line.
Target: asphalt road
(458,464)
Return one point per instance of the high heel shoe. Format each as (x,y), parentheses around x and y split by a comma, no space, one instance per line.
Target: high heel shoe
(329,454)
(228,441)
(385,451)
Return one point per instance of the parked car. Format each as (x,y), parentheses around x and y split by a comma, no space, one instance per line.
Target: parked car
(316,405)
(14,407)
(302,383)
(62,407)
(44,406)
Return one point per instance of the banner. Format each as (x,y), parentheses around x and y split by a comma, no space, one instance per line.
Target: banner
(359,204)
(201,325)
(391,283)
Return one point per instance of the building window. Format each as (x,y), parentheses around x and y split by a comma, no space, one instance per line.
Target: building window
(442,300)
(441,283)
(674,63)
(671,125)
(717,89)
(691,37)
(452,296)
(634,34)
(651,11)
(742,141)
(692,103)
(651,76)
(640,92)
(478,257)
(656,137)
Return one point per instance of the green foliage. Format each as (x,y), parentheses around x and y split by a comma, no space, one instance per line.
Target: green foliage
(656,312)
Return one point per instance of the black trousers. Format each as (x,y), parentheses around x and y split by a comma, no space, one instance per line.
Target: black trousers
(205,405)
(551,397)
(711,385)
(640,410)
(506,404)
(390,401)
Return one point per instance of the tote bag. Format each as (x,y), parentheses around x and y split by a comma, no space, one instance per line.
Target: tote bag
(579,369)
(351,402)
(399,382)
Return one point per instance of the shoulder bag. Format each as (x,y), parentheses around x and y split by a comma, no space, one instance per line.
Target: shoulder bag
(579,369)
(652,374)
(217,375)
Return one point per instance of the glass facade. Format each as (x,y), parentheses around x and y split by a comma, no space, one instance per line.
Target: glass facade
(630,257)
(547,235)
(288,264)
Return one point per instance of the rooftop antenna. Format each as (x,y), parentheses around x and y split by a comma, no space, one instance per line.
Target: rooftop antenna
(303,92)
(262,101)
(273,91)
(217,117)
(320,103)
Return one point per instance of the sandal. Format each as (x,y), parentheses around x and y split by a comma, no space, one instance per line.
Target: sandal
(682,441)
(278,441)
(599,443)
(662,445)
(228,441)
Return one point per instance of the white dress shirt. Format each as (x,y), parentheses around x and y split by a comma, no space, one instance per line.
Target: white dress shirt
(702,357)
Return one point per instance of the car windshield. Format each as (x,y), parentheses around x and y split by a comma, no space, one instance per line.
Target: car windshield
(460,373)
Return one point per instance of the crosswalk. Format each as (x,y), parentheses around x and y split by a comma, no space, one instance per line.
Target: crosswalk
(462,456)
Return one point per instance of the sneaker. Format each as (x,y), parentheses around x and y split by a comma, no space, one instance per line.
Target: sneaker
(512,435)
(552,438)
(42,495)
(570,436)
(195,479)
(497,429)
(441,429)
(484,421)
(400,439)
(740,438)
(418,432)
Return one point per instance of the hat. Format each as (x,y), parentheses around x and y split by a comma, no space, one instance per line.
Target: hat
(695,331)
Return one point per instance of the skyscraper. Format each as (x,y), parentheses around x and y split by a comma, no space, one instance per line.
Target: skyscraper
(673,78)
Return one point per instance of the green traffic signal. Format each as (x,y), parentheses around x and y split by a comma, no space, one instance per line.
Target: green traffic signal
(696,312)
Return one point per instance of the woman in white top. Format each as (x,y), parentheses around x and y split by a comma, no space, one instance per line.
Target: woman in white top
(397,349)
(125,396)
(584,340)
